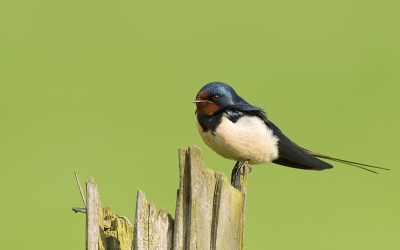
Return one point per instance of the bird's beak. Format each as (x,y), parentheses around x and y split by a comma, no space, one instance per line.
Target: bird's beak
(200,101)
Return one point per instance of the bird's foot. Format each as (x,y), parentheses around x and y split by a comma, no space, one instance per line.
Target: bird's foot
(238,169)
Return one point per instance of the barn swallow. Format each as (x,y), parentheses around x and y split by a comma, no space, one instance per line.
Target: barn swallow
(239,131)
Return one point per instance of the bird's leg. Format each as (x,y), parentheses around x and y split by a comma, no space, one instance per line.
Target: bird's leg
(234,170)
(238,168)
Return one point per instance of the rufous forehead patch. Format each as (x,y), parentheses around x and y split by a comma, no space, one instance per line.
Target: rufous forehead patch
(202,96)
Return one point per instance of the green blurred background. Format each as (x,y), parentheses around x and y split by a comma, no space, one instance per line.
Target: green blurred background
(106,88)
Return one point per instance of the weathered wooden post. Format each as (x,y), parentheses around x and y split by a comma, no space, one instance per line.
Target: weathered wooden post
(209,214)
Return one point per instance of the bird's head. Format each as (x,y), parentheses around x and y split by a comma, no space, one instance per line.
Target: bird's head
(214,97)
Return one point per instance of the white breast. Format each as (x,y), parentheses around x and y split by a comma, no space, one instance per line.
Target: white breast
(248,138)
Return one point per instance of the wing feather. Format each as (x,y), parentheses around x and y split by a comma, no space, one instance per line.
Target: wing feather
(294,156)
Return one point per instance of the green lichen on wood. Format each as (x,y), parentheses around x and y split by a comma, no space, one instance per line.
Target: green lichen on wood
(118,231)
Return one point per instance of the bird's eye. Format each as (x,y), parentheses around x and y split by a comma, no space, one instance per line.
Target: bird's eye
(216,97)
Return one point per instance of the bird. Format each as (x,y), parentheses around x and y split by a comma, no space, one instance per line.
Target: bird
(239,131)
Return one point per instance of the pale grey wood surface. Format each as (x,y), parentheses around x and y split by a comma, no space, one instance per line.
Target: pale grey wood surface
(93,216)
(160,229)
(152,229)
(209,211)
(141,225)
